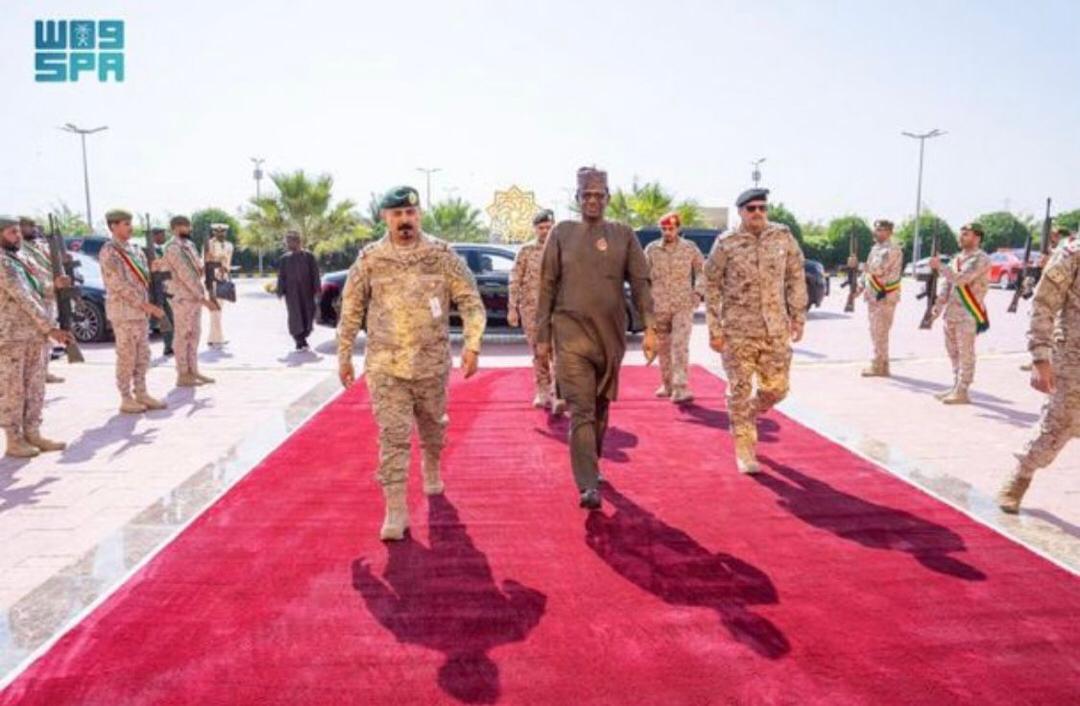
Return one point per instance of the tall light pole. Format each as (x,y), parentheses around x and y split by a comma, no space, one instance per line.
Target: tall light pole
(922,138)
(258,174)
(428,173)
(756,174)
(82,133)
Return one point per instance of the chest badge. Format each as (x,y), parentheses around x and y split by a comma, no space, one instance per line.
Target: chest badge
(601,245)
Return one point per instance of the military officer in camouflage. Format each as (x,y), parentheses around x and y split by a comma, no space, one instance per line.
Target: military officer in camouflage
(188,291)
(524,292)
(1052,340)
(678,286)
(880,286)
(400,290)
(35,251)
(965,282)
(755,296)
(127,306)
(24,327)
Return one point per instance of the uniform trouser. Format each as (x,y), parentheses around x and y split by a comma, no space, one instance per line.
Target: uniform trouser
(22,386)
(768,359)
(673,339)
(187,325)
(47,348)
(960,343)
(578,378)
(132,356)
(170,336)
(216,333)
(397,403)
(881,319)
(1059,422)
(543,375)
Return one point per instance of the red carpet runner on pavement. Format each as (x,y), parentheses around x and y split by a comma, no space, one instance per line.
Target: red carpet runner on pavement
(823,581)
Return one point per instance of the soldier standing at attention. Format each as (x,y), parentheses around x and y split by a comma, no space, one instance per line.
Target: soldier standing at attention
(400,289)
(524,292)
(127,306)
(581,310)
(188,293)
(218,251)
(756,307)
(24,327)
(881,287)
(963,292)
(157,236)
(35,250)
(1052,339)
(675,266)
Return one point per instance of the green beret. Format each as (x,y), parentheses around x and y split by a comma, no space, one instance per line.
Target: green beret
(118,214)
(8,221)
(400,197)
(974,227)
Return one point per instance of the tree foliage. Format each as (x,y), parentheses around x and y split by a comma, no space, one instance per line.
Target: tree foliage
(1002,229)
(644,204)
(200,225)
(455,219)
(1068,219)
(779,213)
(68,221)
(928,224)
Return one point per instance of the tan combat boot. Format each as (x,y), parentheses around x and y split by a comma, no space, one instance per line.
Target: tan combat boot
(1012,491)
(958,396)
(429,469)
(397,513)
(662,391)
(203,379)
(876,369)
(149,402)
(128,405)
(187,380)
(681,396)
(558,407)
(51,379)
(540,401)
(18,447)
(34,437)
(945,393)
(745,459)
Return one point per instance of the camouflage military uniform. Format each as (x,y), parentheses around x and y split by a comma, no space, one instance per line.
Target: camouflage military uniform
(35,253)
(24,327)
(1052,336)
(402,297)
(883,266)
(188,293)
(973,271)
(755,292)
(677,288)
(126,286)
(524,293)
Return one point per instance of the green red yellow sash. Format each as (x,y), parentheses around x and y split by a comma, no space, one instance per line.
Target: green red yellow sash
(27,275)
(971,303)
(881,289)
(134,266)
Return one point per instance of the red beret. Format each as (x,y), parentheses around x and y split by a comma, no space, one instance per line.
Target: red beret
(670,219)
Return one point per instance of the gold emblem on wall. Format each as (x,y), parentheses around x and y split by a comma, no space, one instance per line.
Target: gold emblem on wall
(511,214)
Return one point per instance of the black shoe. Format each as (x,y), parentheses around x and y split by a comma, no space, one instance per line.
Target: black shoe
(167,352)
(600,478)
(590,499)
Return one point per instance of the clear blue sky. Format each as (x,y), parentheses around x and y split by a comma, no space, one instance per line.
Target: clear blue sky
(499,93)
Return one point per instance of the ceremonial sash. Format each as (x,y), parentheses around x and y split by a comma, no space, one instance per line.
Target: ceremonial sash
(136,268)
(882,288)
(43,262)
(185,255)
(971,303)
(27,275)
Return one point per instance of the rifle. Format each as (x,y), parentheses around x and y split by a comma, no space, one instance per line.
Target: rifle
(930,292)
(852,282)
(157,279)
(210,272)
(1044,250)
(59,266)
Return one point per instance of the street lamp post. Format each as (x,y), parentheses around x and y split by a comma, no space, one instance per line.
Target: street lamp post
(258,174)
(428,173)
(756,174)
(82,133)
(922,138)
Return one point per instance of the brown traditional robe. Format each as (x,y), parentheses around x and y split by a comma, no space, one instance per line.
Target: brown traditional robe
(582,309)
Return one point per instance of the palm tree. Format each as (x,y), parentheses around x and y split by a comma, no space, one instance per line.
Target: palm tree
(305,205)
(644,204)
(455,219)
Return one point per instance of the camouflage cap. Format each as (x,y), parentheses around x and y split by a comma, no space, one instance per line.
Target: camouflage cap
(8,221)
(544,216)
(883,223)
(27,221)
(400,197)
(118,214)
(751,195)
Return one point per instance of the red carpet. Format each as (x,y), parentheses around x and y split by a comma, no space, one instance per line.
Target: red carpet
(825,581)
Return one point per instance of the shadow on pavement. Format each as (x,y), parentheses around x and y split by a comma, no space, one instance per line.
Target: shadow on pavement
(11,498)
(1052,519)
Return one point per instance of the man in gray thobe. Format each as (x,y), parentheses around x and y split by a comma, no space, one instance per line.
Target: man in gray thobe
(582,310)
(298,281)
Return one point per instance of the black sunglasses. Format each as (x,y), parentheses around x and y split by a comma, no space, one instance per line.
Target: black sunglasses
(761,207)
